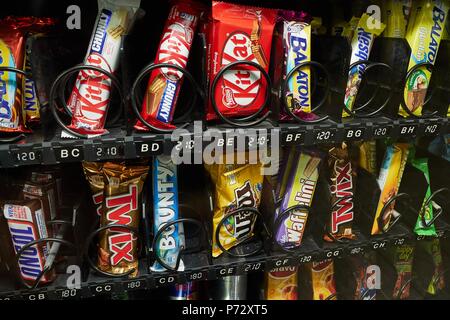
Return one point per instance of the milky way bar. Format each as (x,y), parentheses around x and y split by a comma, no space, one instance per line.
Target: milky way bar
(27,222)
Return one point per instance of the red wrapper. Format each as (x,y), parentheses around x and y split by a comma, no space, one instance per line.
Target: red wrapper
(240,33)
(12,48)
(164,84)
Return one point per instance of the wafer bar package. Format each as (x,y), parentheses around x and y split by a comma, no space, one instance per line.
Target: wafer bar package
(90,97)
(362,291)
(27,223)
(426,211)
(403,262)
(281,283)
(391,173)
(94,175)
(121,205)
(341,180)
(396,16)
(236,186)
(323,283)
(366,32)
(164,84)
(297,189)
(296,37)
(424,36)
(165,210)
(240,33)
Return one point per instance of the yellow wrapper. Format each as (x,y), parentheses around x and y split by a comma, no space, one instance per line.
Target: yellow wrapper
(317,26)
(237,186)
(396,15)
(281,284)
(363,38)
(350,27)
(391,173)
(368,156)
(424,36)
(322,275)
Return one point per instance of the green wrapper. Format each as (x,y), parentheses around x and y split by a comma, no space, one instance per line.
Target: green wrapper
(420,229)
(437,282)
(403,256)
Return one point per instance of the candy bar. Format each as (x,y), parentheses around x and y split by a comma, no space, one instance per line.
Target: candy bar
(426,212)
(46,193)
(391,173)
(323,284)
(281,284)
(27,223)
(362,291)
(165,210)
(396,15)
(437,282)
(424,37)
(185,291)
(299,190)
(239,33)
(368,156)
(341,179)
(90,97)
(296,35)
(236,186)
(121,205)
(94,175)
(164,84)
(404,256)
(368,28)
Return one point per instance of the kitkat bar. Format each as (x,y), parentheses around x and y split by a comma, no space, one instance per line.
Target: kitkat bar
(240,33)
(341,175)
(27,222)
(165,83)
(90,97)
(118,251)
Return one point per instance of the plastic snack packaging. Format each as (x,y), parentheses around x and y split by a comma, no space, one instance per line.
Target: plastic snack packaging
(281,284)
(391,173)
(341,180)
(359,265)
(185,291)
(94,175)
(396,16)
(368,156)
(322,275)
(165,83)
(121,205)
(90,97)
(437,282)
(165,210)
(296,188)
(404,256)
(236,186)
(239,33)
(46,193)
(428,212)
(350,28)
(424,36)
(363,38)
(13,32)
(27,222)
(296,38)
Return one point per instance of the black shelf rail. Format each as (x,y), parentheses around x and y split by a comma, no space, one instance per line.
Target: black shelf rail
(34,149)
(97,285)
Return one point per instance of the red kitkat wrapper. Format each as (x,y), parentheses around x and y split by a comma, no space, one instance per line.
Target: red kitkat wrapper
(164,84)
(240,33)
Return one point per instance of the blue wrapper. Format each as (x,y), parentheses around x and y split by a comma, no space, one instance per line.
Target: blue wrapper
(165,204)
